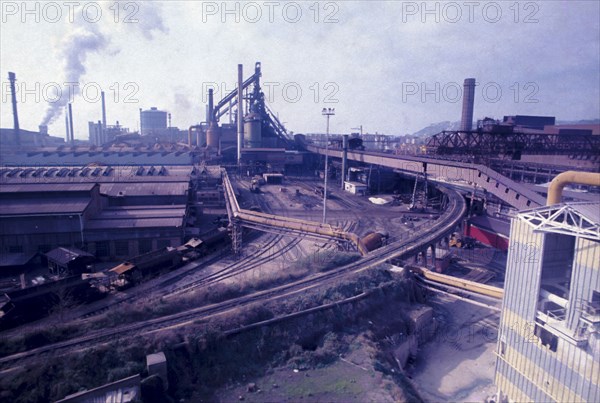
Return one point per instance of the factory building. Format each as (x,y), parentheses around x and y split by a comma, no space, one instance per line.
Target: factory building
(110,212)
(99,135)
(549,335)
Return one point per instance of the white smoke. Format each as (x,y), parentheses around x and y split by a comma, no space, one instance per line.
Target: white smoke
(73,50)
(149,19)
(87,38)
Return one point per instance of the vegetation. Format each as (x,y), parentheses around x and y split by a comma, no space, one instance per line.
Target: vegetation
(205,356)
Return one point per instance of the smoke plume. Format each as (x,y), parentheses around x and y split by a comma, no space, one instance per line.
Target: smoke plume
(73,50)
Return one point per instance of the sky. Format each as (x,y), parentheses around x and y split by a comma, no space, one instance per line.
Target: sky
(391,67)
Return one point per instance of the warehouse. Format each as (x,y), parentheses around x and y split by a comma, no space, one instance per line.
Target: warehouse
(108,211)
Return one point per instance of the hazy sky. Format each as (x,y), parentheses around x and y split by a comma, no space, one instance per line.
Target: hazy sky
(390,66)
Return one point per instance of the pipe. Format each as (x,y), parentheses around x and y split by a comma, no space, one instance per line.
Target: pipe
(569,177)
(72,135)
(13,95)
(240,114)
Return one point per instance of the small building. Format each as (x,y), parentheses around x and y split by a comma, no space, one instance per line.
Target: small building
(67,261)
(356,188)
(13,263)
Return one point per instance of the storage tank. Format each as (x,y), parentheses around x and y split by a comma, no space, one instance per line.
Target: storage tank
(253,130)
(213,134)
(153,121)
(373,241)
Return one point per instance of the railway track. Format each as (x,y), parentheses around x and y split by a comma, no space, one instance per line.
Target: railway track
(445,224)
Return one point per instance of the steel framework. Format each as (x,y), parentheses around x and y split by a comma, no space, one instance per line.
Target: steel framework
(512,143)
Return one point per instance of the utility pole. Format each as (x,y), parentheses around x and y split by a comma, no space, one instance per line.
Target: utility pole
(327,112)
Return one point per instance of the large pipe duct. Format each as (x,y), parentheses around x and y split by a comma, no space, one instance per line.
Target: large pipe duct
(569,177)
(71,132)
(240,113)
(466,123)
(13,95)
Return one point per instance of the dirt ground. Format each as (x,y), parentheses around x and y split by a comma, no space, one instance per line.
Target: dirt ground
(458,363)
(351,378)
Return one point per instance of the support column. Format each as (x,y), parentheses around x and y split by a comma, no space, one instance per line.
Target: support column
(236,238)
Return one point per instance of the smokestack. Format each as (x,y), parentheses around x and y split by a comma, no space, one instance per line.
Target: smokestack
(240,115)
(466,123)
(12,78)
(103,112)
(100,133)
(71,124)
(209,118)
(67,135)
(43,130)
(344,157)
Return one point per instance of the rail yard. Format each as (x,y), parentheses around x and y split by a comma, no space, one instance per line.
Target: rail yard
(180,251)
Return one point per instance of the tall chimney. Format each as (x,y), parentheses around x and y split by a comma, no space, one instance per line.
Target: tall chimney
(103,111)
(71,124)
(466,123)
(67,132)
(209,116)
(240,114)
(12,78)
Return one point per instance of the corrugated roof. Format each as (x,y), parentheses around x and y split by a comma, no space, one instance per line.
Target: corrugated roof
(123,268)
(173,222)
(54,158)
(46,187)
(54,205)
(145,189)
(591,211)
(15,259)
(63,255)
(147,212)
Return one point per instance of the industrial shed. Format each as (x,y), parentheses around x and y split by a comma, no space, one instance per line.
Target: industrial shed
(68,261)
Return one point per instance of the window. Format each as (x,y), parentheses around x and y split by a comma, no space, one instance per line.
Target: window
(44,248)
(145,246)
(102,249)
(163,243)
(15,249)
(548,339)
(122,248)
